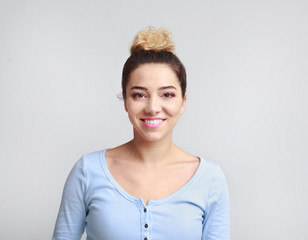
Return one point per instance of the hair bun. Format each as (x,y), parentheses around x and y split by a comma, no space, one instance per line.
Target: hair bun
(155,39)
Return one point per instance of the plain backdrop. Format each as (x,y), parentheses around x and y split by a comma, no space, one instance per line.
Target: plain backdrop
(247,107)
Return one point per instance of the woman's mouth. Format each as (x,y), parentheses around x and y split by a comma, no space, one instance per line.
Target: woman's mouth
(153,123)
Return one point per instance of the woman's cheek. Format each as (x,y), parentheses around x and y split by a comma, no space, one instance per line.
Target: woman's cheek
(173,108)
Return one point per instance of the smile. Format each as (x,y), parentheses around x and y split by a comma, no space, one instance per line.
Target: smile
(153,123)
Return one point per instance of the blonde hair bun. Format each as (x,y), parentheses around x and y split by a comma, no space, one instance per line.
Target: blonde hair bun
(155,39)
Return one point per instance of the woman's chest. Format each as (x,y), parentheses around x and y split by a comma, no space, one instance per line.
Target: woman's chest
(113,217)
(153,184)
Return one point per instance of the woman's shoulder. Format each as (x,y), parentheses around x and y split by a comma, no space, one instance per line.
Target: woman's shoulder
(211,172)
(210,165)
(206,170)
(94,155)
(91,161)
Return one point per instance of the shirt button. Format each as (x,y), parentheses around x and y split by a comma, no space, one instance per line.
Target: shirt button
(146,225)
(145,210)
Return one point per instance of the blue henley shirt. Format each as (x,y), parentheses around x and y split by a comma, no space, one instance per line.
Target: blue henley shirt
(94,201)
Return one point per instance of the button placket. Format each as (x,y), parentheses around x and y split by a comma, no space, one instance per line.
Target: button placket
(145,219)
(146,223)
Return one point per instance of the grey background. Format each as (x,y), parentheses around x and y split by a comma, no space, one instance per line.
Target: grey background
(60,70)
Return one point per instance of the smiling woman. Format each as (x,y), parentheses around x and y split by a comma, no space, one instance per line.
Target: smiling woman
(154,101)
(147,188)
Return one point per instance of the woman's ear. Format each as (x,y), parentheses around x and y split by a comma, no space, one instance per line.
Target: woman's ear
(184,103)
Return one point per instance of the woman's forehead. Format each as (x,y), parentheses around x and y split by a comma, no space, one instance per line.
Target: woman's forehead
(153,75)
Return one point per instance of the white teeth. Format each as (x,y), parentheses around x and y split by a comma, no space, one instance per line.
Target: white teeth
(153,122)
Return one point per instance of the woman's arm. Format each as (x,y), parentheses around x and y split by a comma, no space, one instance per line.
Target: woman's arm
(216,225)
(70,222)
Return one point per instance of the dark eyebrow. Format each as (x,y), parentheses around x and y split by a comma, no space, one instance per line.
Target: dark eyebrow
(138,87)
(161,88)
(167,87)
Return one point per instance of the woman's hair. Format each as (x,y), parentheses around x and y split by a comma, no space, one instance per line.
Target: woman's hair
(153,46)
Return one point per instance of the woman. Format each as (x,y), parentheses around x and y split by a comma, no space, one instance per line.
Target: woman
(147,188)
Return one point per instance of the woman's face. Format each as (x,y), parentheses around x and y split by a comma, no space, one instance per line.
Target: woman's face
(154,101)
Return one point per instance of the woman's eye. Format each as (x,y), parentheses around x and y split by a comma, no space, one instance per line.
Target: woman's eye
(138,95)
(168,95)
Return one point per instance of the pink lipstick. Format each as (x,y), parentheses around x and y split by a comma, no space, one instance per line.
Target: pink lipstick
(153,122)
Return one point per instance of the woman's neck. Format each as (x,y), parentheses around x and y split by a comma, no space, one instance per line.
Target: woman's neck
(152,153)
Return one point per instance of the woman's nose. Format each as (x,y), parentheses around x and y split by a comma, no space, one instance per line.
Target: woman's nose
(153,106)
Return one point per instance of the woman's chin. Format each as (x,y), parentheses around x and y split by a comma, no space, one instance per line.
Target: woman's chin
(151,137)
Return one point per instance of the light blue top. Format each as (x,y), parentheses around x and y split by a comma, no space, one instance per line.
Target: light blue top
(94,201)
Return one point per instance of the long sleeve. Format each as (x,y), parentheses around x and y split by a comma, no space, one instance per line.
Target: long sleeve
(216,225)
(70,222)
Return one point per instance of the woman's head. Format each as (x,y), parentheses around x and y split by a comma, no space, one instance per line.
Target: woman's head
(153,46)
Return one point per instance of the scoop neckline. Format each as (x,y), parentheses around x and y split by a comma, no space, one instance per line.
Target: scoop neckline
(140,200)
